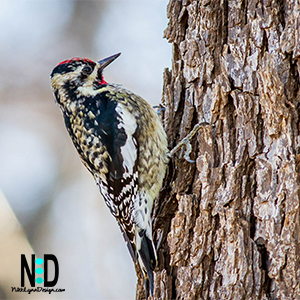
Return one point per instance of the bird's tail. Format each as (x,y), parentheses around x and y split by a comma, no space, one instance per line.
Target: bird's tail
(141,247)
(146,257)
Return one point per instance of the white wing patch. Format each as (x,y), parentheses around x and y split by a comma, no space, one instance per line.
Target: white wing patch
(142,203)
(121,204)
(129,150)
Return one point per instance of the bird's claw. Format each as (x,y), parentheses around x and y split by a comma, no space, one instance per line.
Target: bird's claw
(159,108)
(186,142)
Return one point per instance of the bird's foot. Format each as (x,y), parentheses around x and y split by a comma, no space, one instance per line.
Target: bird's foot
(159,109)
(186,142)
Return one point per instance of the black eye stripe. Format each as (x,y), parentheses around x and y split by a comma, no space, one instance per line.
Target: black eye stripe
(87,70)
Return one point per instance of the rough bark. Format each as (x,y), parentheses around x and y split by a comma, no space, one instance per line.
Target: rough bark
(228,225)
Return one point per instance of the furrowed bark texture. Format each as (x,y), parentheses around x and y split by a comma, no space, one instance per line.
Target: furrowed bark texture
(228,225)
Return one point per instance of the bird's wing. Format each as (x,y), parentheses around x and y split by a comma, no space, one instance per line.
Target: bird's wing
(110,133)
(116,129)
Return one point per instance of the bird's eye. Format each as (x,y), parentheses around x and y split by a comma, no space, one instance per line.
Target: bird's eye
(87,70)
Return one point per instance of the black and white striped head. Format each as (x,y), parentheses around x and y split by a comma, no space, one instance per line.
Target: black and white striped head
(77,77)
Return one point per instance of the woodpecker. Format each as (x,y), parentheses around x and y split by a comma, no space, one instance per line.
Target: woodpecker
(121,141)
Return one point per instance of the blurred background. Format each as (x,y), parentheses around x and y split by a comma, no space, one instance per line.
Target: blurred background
(49,203)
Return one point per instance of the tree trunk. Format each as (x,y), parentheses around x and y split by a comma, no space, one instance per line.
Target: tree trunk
(228,225)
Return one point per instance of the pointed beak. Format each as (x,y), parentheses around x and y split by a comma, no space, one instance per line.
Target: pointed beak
(106,61)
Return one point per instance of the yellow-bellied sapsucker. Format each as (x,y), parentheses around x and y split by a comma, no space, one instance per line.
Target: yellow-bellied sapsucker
(121,141)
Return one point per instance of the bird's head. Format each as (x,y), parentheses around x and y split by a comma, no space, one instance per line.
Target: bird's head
(77,77)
